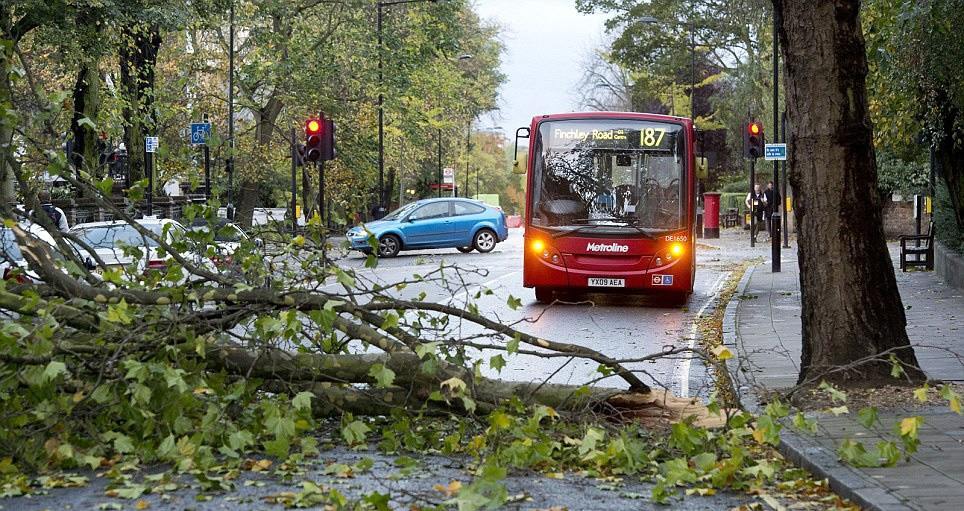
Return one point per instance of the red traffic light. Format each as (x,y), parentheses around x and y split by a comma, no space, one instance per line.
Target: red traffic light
(754,128)
(313,126)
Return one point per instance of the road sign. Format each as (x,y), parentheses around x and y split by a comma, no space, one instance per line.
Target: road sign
(200,132)
(448,176)
(775,152)
(150,144)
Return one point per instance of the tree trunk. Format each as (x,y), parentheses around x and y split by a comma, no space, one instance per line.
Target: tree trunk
(137,61)
(949,154)
(86,105)
(851,306)
(7,190)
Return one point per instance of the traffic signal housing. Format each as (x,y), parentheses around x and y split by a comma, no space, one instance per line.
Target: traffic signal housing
(314,134)
(319,139)
(753,140)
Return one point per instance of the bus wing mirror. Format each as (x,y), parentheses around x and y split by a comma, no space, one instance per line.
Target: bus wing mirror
(517,166)
(702,168)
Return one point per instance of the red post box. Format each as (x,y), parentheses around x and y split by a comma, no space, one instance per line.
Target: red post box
(711,215)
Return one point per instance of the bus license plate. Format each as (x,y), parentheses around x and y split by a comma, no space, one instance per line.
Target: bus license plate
(603,282)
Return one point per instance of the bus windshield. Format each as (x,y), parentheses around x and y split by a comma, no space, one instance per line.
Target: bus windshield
(609,174)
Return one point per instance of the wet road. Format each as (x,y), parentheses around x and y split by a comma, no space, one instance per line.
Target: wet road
(622,327)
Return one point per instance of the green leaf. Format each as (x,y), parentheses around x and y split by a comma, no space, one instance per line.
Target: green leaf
(513,345)
(867,416)
(384,377)
(355,432)
(513,302)
(302,401)
(497,363)
(278,447)
(85,121)
(54,369)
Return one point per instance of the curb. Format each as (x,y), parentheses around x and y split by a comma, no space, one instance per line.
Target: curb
(846,481)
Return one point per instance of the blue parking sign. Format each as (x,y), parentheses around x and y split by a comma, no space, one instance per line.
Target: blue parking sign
(200,132)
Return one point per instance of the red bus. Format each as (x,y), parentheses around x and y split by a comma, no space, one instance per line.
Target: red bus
(610,204)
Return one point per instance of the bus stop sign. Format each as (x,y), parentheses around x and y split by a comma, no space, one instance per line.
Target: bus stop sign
(775,152)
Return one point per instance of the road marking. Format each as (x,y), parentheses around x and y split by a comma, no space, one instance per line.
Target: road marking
(683,369)
(485,284)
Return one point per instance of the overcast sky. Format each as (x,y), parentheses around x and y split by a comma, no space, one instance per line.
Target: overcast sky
(546,41)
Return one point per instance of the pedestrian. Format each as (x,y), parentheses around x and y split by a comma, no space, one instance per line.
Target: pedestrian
(770,194)
(756,203)
(56,214)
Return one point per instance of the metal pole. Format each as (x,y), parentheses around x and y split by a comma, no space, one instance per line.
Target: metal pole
(752,202)
(294,182)
(783,189)
(230,161)
(207,165)
(149,164)
(381,117)
(468,154)
(321,190)
(440,163)
(774,215)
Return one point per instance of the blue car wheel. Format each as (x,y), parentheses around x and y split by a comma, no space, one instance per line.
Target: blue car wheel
(389,245)
(484,241)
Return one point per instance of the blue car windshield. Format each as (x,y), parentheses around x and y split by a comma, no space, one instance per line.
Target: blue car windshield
(400,212)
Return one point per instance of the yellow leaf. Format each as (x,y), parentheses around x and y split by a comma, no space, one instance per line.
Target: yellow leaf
(142,504)
(921,393)
(955,404)
(451,490)
(840,410)
(722,352)
(909,425)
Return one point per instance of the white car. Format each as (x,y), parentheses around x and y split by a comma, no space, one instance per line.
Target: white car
(228,238)
(13,266)
(110,239)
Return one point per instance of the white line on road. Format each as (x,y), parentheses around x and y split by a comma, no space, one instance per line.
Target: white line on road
(683,369)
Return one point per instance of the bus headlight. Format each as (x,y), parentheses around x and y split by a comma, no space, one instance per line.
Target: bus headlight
(676,249)
(538,246)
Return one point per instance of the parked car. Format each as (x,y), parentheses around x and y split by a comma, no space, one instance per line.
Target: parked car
(109,239)
(228,238)
(13,265)
(463,224)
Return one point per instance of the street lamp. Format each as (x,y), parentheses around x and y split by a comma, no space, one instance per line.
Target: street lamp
(653,21)
(381,101)
(468,135)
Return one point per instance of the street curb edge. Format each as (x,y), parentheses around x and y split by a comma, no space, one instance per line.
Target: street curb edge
(866,492)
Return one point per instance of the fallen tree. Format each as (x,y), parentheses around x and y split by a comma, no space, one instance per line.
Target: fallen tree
(129,340)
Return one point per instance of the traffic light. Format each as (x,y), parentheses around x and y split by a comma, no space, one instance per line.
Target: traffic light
(319,139)
(314,136)
(753,140)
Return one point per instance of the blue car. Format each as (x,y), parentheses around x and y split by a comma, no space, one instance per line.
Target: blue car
(464,224)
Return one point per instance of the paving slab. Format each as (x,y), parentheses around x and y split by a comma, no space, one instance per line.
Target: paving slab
(763,326)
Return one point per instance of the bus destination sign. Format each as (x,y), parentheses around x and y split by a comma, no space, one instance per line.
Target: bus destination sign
(651,136)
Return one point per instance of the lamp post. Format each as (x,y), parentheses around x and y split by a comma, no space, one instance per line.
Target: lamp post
(230,160)
(380,5)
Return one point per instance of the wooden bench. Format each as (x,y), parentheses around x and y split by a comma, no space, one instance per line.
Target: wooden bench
(923,246)
(731,218)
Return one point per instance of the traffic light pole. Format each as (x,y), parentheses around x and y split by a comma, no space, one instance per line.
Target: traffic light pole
(149,167)
(321,190)
(752,202)
(207,166)
(294,182)
(774,211)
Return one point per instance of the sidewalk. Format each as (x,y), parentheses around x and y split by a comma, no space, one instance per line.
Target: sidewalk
(762,327)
